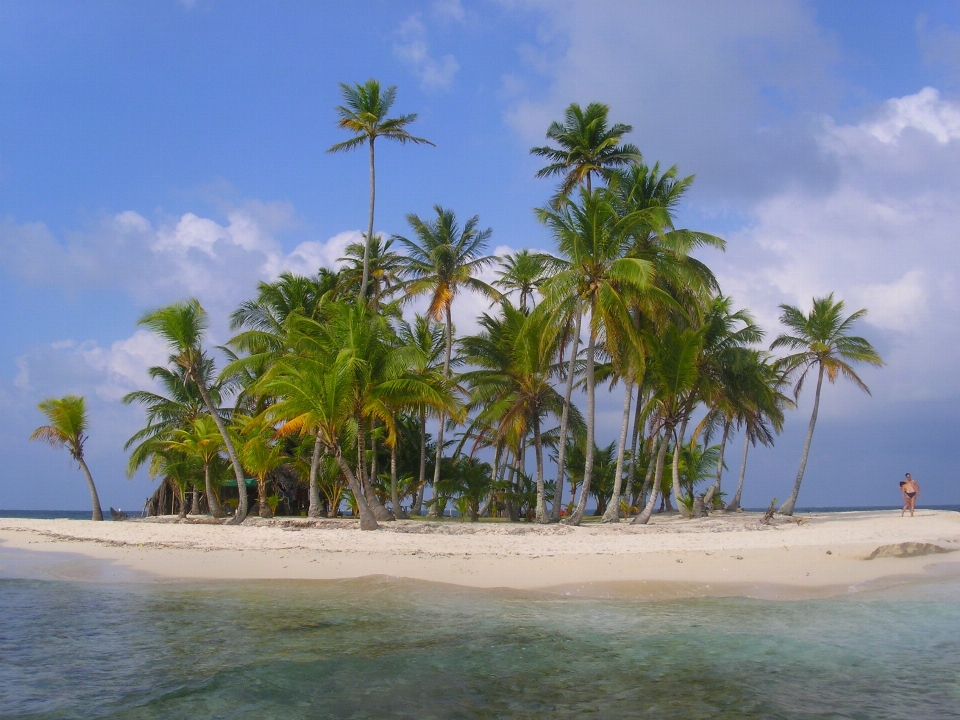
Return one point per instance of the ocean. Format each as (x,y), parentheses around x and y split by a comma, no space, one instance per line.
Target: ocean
(382,648)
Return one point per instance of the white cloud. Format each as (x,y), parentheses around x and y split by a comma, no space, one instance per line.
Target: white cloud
(882,236)
(413,49)
(924,111)
(189,256)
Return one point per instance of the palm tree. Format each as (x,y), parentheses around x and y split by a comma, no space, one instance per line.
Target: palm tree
(524,272)
(175,411)
(587,146)
(442,261)
(364,113)
(67,428)
(384,269)
(598,279)
(761,415)
(823,342)
(202,440)
(512,386)
(263,333)
(261,454)
(673,369)
(429,339)
(182,325)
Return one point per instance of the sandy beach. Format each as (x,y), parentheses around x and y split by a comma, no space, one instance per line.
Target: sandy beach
(808,556)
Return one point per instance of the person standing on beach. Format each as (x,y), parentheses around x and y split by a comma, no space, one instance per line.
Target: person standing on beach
(911,490)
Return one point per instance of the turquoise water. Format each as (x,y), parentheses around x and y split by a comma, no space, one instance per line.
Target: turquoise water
(376,648)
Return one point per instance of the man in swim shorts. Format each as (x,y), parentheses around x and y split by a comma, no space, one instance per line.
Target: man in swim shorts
(911,490)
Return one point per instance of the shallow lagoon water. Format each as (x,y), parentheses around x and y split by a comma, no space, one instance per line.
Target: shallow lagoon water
(379,647)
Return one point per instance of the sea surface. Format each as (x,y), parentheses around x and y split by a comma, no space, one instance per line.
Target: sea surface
(123,647)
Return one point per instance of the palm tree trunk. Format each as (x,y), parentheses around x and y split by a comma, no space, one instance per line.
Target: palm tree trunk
(369,238)
(422,477)
(542,516)
(265,511)
(787,507)
(716,486)
(376,507)
(195,501)
(565,418)
(735,503)
(676,466)
(367,519)
(632,465)
(394,492)
(577,516)
(94,498)
(314,509)
(213,504)
(651,468)
(644,517)
(612,513)
(182,510)
(436,510)
(231,452)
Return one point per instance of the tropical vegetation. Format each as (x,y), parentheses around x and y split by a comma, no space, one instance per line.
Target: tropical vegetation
(334,397)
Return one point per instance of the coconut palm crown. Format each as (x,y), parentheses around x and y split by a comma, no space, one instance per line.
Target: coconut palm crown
(588,145)
(364,113)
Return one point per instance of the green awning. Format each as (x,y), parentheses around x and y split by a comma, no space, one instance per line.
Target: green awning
(251,482)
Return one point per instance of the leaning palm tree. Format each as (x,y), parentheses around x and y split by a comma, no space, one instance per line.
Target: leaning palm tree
(822,342)
(441,262)
(182,325)
(364,113)
(588,145)
(67,428)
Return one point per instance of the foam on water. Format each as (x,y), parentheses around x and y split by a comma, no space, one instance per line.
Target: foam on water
(389,648)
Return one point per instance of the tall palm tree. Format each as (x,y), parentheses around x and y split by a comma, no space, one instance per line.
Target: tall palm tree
(442,261)
(68,428)
(182,326)
(364,113)
(601,280)
(588,145)
(822,342)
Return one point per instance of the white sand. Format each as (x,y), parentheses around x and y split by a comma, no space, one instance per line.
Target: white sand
(720,555)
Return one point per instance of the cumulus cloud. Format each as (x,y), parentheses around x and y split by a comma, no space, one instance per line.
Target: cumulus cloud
(155,263)
(413,50)
(884,237)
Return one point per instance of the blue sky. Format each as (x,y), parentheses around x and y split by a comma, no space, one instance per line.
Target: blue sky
(156,150)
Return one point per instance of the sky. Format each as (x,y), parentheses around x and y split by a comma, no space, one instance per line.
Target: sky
(177,148)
